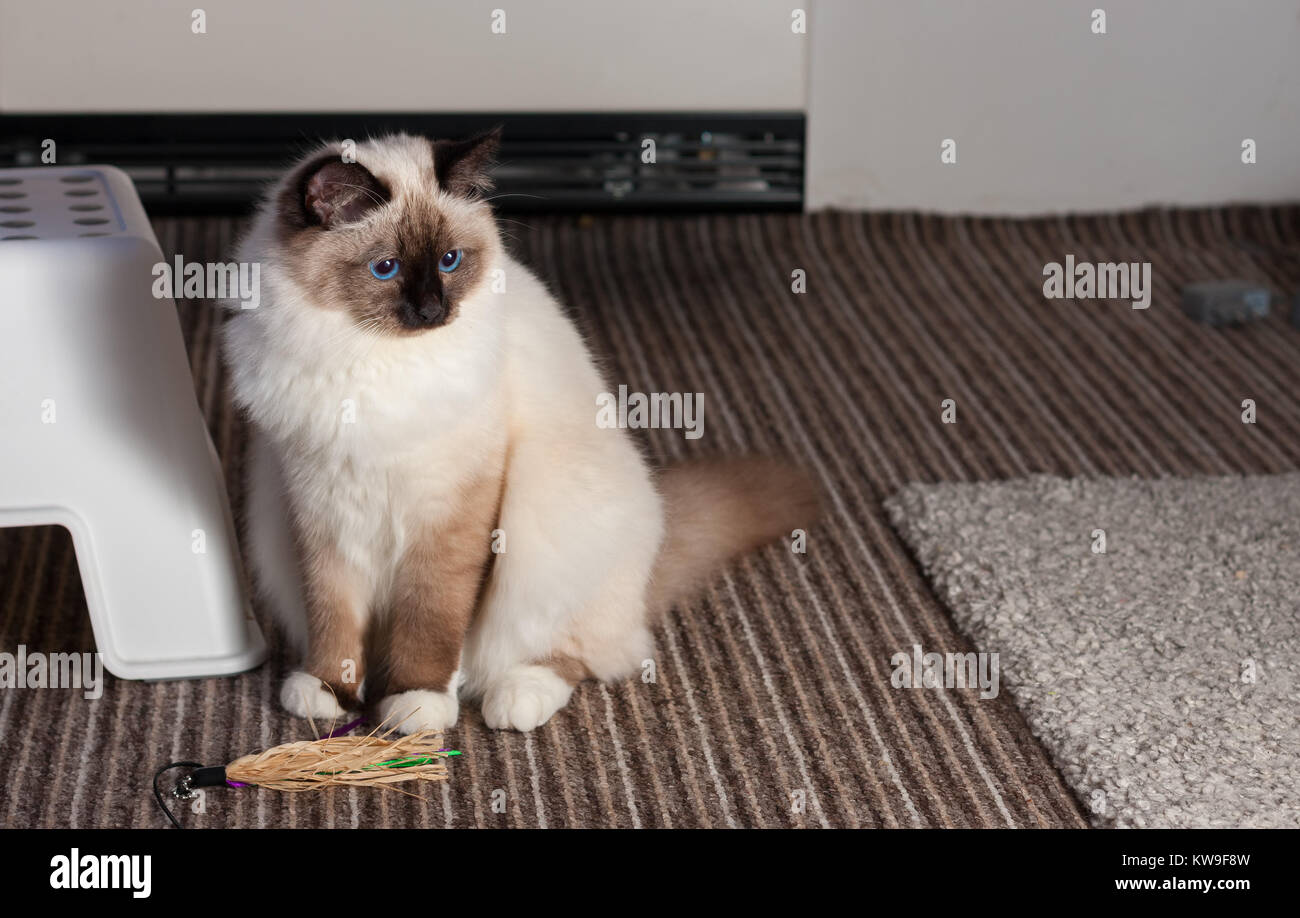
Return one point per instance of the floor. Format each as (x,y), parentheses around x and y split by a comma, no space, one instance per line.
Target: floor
(772,704)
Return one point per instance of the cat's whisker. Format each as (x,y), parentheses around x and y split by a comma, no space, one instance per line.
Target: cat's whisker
(367,332)
(512,194)
(375,339)
(345,337)
(343,333)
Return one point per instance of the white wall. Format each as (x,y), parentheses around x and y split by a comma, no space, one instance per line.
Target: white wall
(1046,115)
(399,55)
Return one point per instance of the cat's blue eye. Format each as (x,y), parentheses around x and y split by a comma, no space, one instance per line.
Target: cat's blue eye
(450,261)
(385,268)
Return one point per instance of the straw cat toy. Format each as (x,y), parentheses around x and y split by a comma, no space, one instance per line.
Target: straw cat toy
(373,760)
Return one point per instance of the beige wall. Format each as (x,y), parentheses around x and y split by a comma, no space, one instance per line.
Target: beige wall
(1046,115)
(332,55)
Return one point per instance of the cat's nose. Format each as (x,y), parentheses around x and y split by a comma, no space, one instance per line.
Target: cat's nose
(425,314)
(430,311)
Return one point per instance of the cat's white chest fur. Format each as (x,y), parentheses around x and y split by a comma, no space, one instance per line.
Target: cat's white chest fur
(374,442)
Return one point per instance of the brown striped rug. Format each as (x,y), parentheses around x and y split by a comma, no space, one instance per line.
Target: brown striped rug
(772,704)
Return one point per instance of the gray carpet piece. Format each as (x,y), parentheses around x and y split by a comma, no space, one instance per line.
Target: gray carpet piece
(1164,675)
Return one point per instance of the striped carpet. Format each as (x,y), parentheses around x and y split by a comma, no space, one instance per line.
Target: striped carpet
(773,704)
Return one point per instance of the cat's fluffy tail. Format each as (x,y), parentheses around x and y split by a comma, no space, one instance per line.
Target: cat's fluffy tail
(719,508)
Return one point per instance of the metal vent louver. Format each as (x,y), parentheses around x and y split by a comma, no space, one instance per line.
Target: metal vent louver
(220,163)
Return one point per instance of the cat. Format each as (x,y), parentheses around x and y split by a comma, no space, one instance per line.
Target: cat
(407,415)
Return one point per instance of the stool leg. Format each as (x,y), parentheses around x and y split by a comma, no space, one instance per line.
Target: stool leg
(163,584)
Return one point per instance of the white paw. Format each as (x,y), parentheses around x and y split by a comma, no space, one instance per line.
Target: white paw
(303,695)
(418,709)
(525,698)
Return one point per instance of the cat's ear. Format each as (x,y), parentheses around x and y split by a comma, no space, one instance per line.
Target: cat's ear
(330,192)
(462,165)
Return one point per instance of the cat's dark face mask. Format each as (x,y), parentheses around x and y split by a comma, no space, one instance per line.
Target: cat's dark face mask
(400,261)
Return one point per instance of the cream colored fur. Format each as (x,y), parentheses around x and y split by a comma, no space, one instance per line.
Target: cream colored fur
(367,438)
(581,517)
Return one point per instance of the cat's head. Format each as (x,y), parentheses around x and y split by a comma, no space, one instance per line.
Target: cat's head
(398,235)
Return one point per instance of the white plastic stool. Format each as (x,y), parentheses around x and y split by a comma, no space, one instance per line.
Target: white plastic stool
(102,431)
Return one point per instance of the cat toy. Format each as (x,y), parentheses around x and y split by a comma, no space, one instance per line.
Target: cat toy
(335,760)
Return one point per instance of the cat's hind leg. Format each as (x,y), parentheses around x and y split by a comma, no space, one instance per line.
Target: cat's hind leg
(607,639)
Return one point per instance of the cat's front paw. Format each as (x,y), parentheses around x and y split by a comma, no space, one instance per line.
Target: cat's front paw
(419,709)
(303,695)
(525,698)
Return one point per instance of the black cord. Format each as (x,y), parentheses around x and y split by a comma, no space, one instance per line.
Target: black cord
(157,794)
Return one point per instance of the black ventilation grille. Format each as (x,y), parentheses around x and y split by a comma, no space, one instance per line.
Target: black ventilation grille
(220,163)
